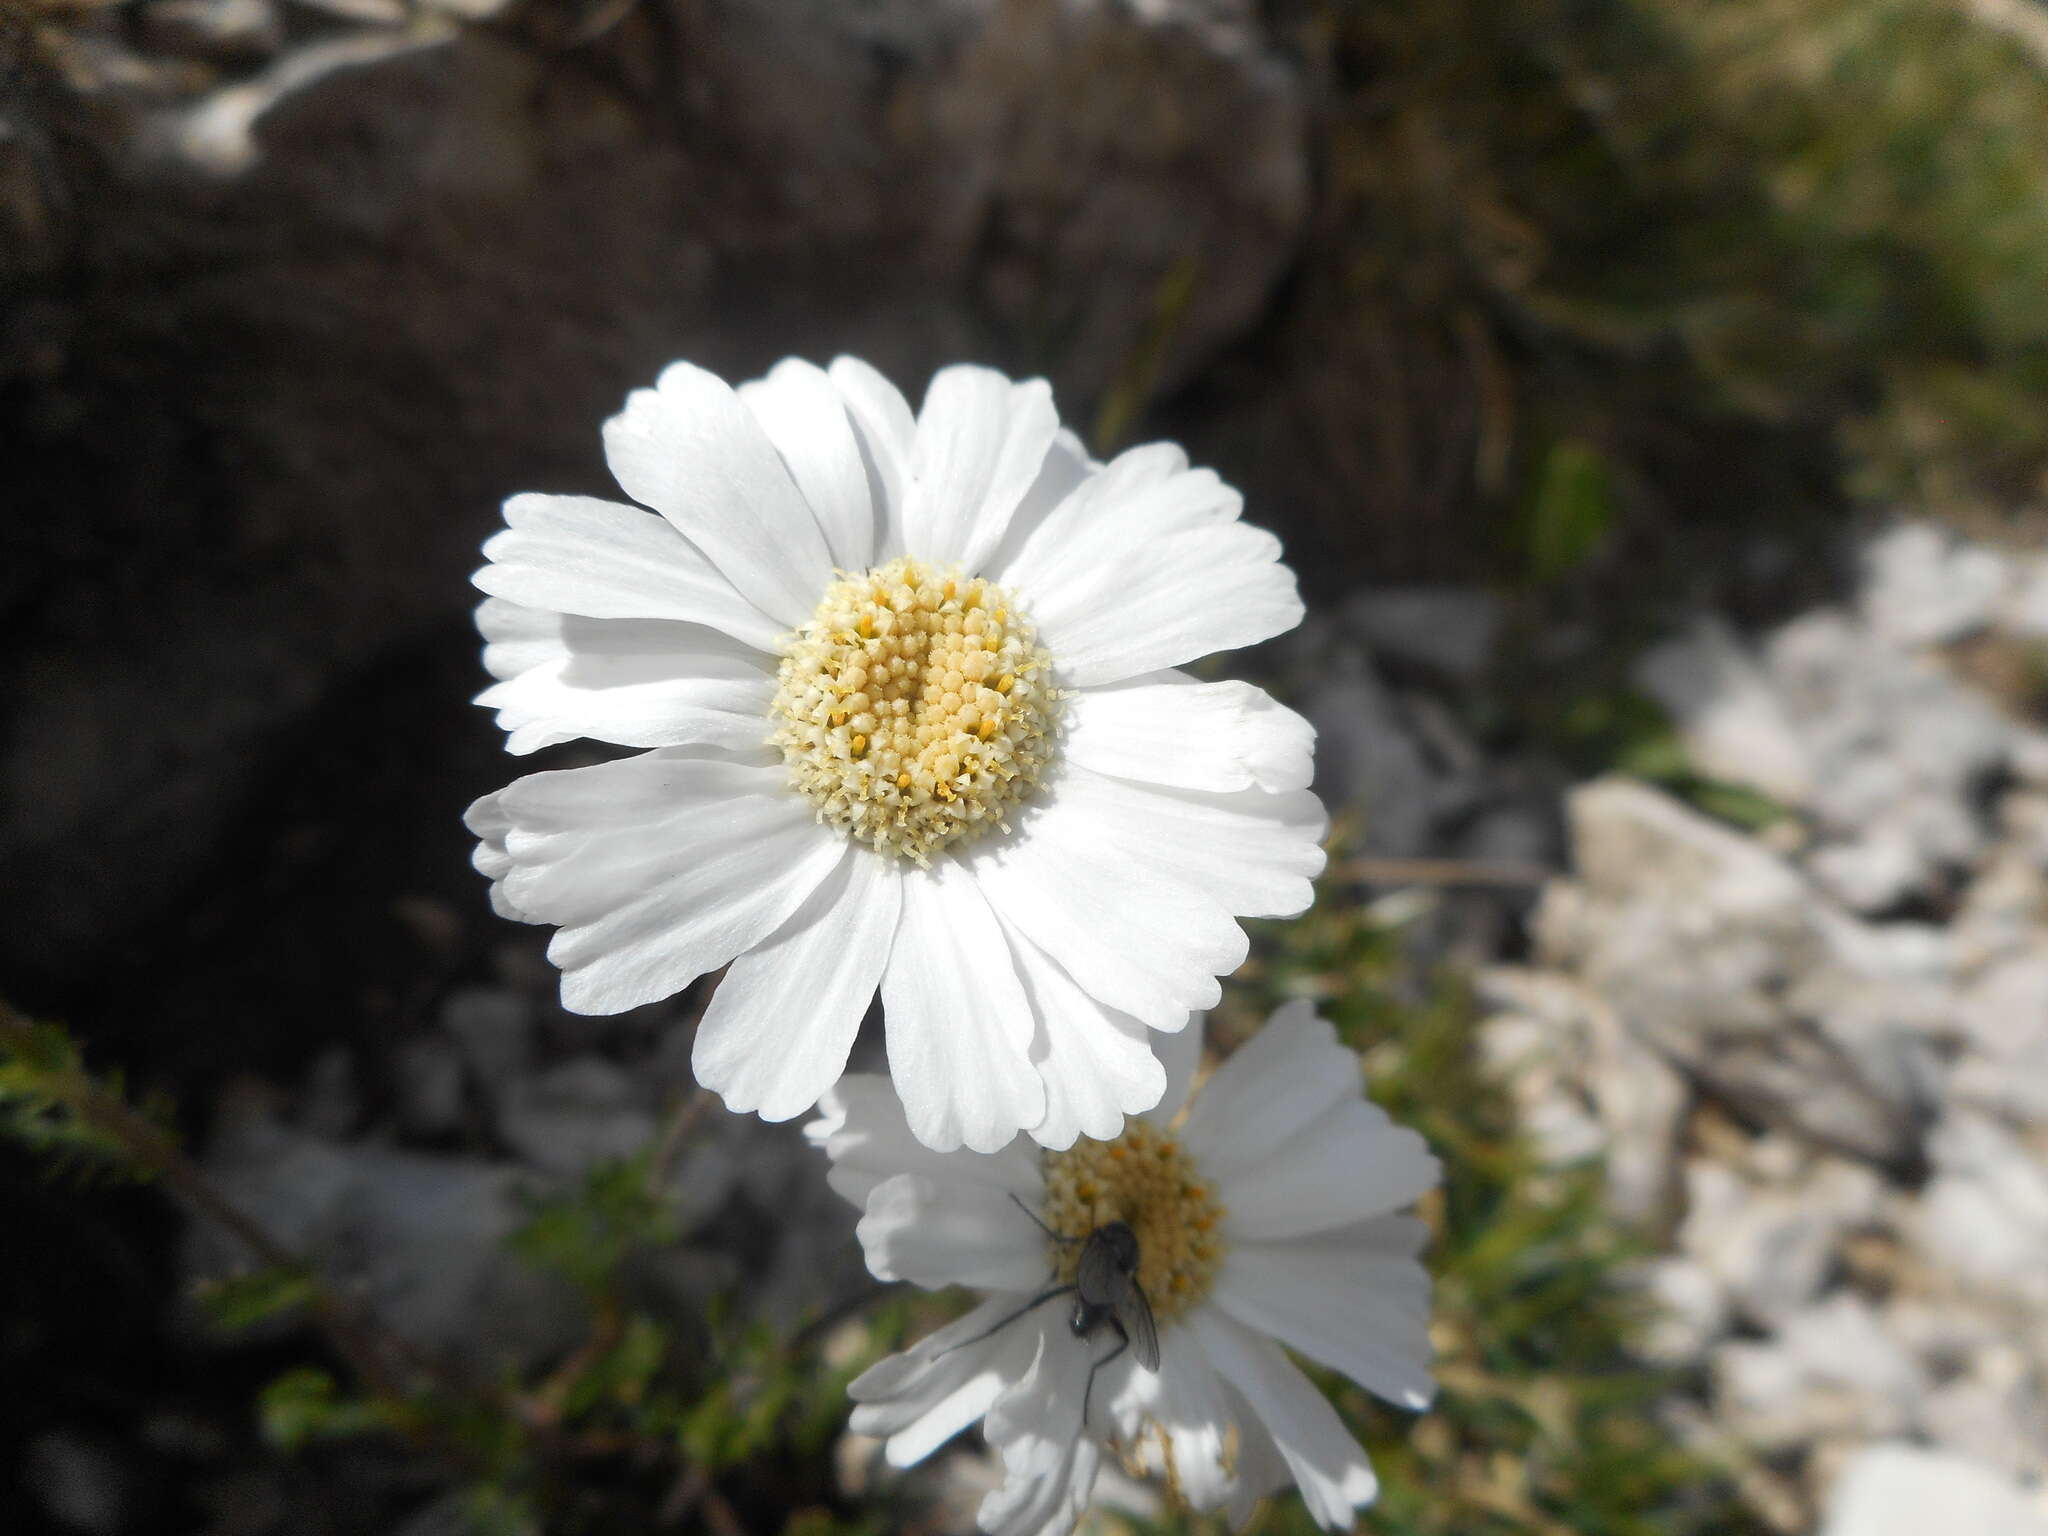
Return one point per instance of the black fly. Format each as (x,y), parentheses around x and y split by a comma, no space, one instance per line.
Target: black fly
(1105,1290)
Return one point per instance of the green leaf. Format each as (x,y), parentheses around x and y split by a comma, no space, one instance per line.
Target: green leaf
(586,1233)
(242,1301)
(44,1090)
(304,1405)
(1571,512)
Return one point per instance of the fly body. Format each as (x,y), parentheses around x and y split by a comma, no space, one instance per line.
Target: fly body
(1106,1292)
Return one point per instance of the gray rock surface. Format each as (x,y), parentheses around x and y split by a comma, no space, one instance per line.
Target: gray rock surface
(1923,586)
(1720,955)
(1730,718)
(1450,630)
(1901,1490)
(576,1115)
(420,1239)
(1860,1255)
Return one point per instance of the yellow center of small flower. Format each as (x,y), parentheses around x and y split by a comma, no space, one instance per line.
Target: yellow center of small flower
(1145,1179)
(916,708)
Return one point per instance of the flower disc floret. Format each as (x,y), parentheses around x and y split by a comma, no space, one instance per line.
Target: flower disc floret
(1146,1179)
(915,709)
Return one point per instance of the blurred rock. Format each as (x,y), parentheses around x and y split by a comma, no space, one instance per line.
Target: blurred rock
(1719,955)
(1585,1085)
(1863,1246)
(1690,1310)
(1368,759)
(2004,1016)
(574,1116)
(1923,586)
(427,1076)
(1900,752)
(1830,1372)
(420,1239)
(1994,1413)
(79,1484)
(211,29)
(1448,630)
(1984,1215)
(1902,1490)
(1728,715)
(1773,1248)
(2026,614)
(494,1028)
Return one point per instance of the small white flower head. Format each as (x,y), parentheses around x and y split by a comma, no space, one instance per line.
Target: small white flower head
(1266,1209)
(907,685)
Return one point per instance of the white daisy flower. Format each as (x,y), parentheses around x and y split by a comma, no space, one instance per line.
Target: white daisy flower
(908,685)
(1264,1212)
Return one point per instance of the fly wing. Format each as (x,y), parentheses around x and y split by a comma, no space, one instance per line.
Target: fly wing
(1136,1315)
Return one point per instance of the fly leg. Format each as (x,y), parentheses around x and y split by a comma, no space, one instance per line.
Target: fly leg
(1030,1306)
(1123,1343)
(1064,1242)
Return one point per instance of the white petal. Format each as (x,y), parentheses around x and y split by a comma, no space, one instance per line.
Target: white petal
(805,418)
(689,449)
(1262,1472)
(1135,889)
(1356,1311)
(942,1231)
(959,1027)
(1049,1462)
(1059,549)
(636,682)
(1146,566)
(1180,1411)
(1180,1054)
(784,1016)
(863,1132)
(887,430)
(981,442)
(1394,1236)
(658,868)
(575,554)
(1066,465)
(1167,728)
(1190,596)
(487,819)
(1348,1164)
(1097,1064)
(1330,1467)
(921,1398)
(1287,1074)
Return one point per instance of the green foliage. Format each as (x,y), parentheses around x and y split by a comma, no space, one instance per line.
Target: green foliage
(489,1510)
(1609,727)
(1691,268)
(257,1296)
(1570,513)
(307,1404)
(46,1093)
(584,1234)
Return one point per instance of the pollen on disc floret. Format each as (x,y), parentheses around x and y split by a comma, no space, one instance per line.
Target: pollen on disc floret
(916,708)
(1146,1179)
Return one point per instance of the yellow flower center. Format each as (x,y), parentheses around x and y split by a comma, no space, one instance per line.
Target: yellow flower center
(916,708)
(1146,1180)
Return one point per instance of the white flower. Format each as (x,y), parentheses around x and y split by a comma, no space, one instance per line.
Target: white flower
(1264,1211)
(907,685)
